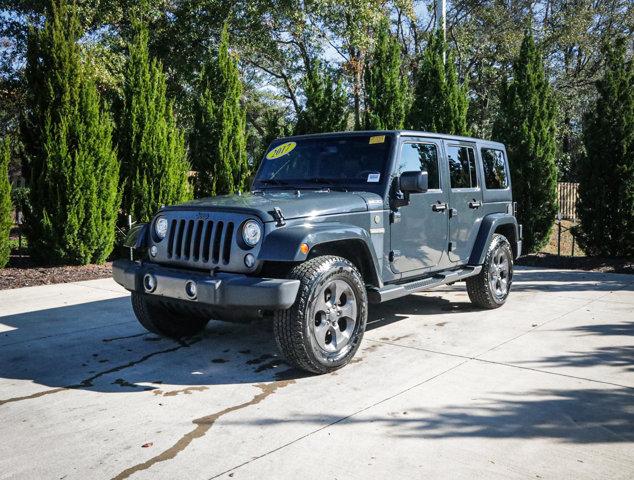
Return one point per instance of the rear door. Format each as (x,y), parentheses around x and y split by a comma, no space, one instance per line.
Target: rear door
(419,232)
(465,199)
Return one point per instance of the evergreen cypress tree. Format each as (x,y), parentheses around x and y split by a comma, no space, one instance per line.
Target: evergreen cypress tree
(326,107)
(74,196)
(606,174)
(526,125)
(5,202)
(151,147)
(218,140)
(440,102)
(274,126)
(386,87)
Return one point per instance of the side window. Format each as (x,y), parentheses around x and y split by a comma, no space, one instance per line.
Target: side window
(423,157)
(495,176)
(462,167)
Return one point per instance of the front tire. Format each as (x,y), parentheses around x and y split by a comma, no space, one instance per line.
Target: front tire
(165,319)
(490,288)
(323,329)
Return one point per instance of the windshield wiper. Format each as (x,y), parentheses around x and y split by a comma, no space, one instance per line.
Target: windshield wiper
(327,181)
(274,181)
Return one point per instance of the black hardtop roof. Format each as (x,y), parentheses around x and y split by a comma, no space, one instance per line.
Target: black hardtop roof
(396,133)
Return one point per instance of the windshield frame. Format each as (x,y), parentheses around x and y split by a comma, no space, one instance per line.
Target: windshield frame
(381,187)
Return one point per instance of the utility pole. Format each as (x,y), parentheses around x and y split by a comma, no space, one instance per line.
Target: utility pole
(441,20)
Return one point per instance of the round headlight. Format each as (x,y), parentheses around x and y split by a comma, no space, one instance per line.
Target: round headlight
(160,227)
(251,232)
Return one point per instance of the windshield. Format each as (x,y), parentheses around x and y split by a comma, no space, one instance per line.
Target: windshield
(350,162)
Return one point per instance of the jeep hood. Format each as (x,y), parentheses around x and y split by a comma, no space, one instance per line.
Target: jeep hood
(306,204)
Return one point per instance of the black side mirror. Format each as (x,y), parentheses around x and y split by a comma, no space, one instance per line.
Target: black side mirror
(413,182)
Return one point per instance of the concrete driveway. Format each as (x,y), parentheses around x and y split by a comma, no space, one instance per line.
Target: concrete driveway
(541,388)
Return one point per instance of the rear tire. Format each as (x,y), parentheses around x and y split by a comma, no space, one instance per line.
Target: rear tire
(490,288)
(164,319)
(323,329)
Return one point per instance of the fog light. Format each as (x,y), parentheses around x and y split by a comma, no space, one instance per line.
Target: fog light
(149,282)
(190,289)
(153,250)
(249,260)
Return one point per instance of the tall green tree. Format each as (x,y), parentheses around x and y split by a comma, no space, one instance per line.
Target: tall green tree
(218,140)
(5,202)
(74,196)
(606,173)
(440,102)
(154,164)
(326,108)
(386,87)
(274,126)
(526,124)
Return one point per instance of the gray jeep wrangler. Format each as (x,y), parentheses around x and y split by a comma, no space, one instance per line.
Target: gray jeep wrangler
(333,222)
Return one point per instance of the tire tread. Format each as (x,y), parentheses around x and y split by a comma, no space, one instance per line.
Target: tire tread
(288,324)
(478,286)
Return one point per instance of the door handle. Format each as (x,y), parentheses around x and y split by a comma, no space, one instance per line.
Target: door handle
(475,204)
(439,207)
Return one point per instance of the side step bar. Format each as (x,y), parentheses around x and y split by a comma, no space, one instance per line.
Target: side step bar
(390,292)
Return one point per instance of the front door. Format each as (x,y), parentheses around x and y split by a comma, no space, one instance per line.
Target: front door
(419,230)
(465,200)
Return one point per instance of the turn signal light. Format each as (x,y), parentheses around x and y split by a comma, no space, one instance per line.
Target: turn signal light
(304,248)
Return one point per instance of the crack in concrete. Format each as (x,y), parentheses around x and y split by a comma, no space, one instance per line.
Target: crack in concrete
(342,419)
(88,382)
(478,358)
(465,359)
(202,426)
(107,340)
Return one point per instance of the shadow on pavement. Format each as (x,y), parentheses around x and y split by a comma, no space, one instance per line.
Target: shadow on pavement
(101,347)
(428,304)
(611,356)
(572,416)
(526,280)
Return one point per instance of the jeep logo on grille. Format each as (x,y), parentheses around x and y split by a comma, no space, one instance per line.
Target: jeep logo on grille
(202,216)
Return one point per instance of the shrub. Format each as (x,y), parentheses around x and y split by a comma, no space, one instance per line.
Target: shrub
(6,206)
(606,174)
(526,125)
(151,147)
(440,101)
(74,196)
(387,88)
(218,141)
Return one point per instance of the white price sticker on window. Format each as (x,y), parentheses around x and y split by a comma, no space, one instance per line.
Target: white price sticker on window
(374,177)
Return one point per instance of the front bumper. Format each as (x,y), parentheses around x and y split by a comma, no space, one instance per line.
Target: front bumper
(219,290)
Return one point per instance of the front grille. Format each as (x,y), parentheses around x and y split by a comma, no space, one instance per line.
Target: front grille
(200,241)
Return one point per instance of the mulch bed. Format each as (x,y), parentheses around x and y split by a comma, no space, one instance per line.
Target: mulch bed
(596,264)
(21,272)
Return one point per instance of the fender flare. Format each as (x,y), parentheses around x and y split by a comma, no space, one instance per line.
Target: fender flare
(489,225)
(282,245)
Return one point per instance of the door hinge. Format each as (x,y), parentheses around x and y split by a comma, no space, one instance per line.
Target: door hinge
(395,217)
(390,256)
(450,247)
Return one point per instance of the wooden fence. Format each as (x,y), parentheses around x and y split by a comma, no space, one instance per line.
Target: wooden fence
(567,195)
